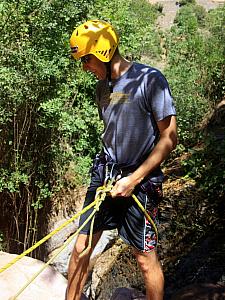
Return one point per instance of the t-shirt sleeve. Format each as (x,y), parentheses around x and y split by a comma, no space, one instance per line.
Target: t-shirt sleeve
(159,100)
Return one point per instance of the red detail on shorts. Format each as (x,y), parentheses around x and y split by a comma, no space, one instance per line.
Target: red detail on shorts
(150,235)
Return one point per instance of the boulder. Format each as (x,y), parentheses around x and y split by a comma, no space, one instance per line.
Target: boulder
(114,268)
(68,203)
(50,284)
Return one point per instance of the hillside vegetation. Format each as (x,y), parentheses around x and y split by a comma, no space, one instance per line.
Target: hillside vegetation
(49,123)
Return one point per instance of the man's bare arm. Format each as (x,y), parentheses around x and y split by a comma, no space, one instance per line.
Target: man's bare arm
(167,142)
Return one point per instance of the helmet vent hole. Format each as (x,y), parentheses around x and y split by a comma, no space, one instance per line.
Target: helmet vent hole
(85,26)
(77,33)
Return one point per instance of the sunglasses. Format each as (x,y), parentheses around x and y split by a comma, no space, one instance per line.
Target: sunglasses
(85,59)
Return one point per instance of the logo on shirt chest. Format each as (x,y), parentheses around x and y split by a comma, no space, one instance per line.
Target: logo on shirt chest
(115,98)
(119,97)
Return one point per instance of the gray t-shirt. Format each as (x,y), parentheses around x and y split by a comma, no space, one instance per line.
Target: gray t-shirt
(140,98)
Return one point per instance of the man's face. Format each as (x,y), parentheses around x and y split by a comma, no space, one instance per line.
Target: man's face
(94,65)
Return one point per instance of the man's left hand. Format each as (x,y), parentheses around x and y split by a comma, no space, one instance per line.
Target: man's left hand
(123,188)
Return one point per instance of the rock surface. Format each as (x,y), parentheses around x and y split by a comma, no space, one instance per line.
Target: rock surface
(170,8)
(201,271)
(50,284)
(57,219)
(115,268)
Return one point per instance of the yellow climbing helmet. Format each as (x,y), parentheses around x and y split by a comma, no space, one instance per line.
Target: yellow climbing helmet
(94,37)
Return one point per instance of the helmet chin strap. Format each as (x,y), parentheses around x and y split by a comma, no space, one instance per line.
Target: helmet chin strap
(109,76)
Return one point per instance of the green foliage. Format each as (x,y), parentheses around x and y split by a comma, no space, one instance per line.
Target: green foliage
(207,166)
(214,75)
(134,21)
(201,15)
(2,242)
(186,2)
(187,20)
(195,70)
(191,17)
(195,48)
(184,78)
(42,107)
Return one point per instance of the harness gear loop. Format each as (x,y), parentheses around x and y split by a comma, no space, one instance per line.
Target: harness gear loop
(112,173)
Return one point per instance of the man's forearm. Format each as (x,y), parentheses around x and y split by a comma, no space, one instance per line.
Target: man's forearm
(155,158)
(166,143)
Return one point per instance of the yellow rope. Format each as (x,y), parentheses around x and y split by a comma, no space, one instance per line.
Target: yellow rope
(52,259)
(146,215)
(12,262)
(99,198)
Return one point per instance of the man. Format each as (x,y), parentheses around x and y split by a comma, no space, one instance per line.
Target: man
(137,109)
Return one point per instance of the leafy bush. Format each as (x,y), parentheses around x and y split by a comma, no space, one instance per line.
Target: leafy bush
(214,75)
(195,69)
(186,19)
(200,14)
(134,21)
(38,118)
(206,165)
(196,75)
(186,2)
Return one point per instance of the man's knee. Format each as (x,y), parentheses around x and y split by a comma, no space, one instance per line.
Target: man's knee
(81,245)
(146,260)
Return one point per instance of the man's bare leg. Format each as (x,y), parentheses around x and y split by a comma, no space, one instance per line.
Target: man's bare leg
(153,275)
(78,266)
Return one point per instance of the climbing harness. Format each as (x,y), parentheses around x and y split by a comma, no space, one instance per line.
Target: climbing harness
(101,193)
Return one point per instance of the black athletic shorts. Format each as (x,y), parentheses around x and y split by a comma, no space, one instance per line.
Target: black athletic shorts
(124,214)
